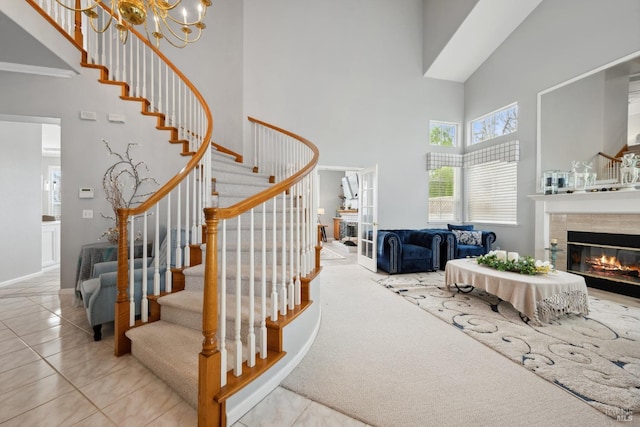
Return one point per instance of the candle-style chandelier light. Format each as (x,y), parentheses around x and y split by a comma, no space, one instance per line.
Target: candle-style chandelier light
(179,22)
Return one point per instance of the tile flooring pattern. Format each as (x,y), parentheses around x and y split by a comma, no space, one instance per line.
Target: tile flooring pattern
(52,373)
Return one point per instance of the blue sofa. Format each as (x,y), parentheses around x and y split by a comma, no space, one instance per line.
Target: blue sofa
(461,241)
(408,251)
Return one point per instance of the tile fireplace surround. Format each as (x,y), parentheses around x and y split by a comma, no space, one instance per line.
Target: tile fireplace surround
(602,212)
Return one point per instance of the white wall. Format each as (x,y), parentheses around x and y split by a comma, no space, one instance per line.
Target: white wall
(84,158)
(558,41)
(347,75)
(20,192)
(214,65)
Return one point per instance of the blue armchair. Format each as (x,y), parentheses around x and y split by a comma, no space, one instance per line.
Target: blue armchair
(408,251)
(100,291)
(461,241)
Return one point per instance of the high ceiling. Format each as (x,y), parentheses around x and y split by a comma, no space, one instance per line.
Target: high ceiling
(487,25)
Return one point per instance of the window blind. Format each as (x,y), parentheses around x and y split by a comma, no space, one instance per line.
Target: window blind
(492,192)
(443,194)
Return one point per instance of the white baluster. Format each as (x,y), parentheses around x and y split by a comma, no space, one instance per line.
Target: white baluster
(283,289)
(132,303)
(298,284)
(222,315)
(144,71)
(290,293)
(179,230)
(194,224)
(237,369)
(138,60)
(168,278)
(187,234)
(251,336)
(156,258)
(263,286)
(274,267)
(144,310)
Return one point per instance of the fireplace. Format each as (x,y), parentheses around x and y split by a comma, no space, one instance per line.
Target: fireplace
(607,261)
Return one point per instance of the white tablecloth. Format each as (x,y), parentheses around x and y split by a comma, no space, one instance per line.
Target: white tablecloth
(540,297)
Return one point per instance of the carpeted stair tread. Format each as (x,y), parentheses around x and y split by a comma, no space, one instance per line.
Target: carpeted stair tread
(171,352)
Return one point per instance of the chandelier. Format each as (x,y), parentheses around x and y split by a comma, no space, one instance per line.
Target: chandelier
(173,21)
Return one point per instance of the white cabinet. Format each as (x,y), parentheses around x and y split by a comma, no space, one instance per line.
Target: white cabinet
(50,243)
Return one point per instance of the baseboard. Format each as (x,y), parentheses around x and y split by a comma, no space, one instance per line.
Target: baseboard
(20,279)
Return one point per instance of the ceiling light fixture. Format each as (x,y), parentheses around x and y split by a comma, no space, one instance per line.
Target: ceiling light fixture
(179,22)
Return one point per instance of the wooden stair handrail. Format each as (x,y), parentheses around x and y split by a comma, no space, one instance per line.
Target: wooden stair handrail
(608,157)
(279,188)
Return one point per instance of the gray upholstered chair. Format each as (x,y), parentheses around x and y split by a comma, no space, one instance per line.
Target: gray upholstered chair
(100,291)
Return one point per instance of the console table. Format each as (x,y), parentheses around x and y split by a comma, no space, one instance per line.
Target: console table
(541,297)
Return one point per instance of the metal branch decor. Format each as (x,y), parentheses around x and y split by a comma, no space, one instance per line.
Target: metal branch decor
(123,184)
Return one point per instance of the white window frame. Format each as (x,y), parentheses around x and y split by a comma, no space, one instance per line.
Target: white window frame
(492,192)
(491,117)
(440,123)
(432,218)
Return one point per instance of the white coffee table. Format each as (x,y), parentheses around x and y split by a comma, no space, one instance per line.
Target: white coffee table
(540,297)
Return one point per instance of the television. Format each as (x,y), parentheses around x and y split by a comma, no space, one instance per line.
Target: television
(350,186)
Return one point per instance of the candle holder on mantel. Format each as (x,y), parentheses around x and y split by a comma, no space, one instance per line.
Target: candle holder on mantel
(553,250)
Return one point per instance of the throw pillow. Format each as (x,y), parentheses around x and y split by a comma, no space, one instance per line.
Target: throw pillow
(452,227)
(466,237)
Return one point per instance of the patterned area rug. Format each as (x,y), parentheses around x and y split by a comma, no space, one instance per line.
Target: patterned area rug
(327,253)
(594,357)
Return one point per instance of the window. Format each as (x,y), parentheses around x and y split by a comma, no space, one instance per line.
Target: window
(491,176)
(493,125)
(492,192)
(443,134)
(443,194)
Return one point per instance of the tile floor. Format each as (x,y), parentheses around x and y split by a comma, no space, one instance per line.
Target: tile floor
(52,373)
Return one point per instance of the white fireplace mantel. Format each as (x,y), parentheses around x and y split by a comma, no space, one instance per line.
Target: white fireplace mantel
(601,202)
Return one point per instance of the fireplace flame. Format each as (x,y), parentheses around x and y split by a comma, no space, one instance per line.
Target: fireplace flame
(610,264)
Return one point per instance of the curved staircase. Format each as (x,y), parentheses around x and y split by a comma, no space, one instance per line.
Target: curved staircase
(237,313)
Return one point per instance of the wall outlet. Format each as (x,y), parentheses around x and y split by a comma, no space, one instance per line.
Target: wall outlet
(87,214)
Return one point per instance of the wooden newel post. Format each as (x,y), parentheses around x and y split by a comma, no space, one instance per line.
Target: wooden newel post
(122,309)
(210,411)
(77,29)
(318,247)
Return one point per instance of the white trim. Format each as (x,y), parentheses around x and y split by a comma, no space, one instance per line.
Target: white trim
(34,69)
(20,279)
(30,119)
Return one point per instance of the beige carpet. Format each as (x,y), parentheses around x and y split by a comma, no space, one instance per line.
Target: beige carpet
(386,362)
(594,357)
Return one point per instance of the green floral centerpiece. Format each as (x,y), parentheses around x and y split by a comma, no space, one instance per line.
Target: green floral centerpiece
(522,265)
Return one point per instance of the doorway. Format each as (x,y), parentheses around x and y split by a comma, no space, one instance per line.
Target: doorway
(27,165)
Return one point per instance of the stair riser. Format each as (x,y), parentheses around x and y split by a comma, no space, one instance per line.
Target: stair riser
(198,285)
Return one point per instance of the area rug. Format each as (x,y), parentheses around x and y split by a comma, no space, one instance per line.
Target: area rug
(596,357)
(327,253)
